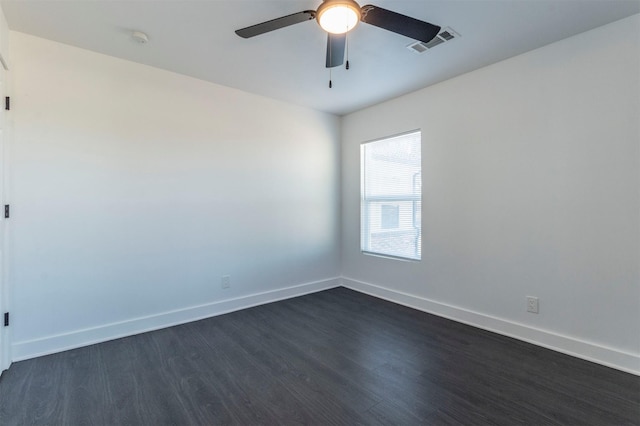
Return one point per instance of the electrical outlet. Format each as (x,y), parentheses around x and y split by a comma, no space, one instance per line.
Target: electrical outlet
(532,304)
(225,281)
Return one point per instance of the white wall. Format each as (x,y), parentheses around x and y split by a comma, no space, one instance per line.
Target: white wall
(531,187)
(135,189)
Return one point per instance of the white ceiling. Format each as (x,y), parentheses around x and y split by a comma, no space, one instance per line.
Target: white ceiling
(197,38)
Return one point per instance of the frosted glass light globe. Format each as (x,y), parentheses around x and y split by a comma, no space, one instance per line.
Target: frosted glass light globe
(338,17)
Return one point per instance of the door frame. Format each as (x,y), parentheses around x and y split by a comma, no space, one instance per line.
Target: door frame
(5,145)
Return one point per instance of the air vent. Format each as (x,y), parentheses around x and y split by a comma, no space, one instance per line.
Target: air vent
(447,34)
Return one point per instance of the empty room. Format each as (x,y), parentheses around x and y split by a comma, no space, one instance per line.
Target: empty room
(320,212)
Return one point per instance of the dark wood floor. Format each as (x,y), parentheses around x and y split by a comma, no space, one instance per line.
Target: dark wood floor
(335,357)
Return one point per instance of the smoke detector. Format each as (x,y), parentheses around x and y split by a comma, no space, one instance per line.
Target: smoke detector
(140,37)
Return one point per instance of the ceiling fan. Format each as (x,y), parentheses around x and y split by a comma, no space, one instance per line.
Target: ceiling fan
(338,17)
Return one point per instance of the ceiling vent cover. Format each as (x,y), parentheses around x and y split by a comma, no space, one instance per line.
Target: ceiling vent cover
(447,34)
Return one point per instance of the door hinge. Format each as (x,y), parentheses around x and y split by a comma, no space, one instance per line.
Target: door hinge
(6,319)
(6,211)
(7,103)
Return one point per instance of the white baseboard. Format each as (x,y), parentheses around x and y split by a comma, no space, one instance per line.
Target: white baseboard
(609,357)
(78,338)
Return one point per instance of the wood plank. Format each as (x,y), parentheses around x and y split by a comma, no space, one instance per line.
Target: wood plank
(333,357)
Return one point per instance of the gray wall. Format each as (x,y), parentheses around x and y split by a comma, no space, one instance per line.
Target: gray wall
(136,189)
(531,187)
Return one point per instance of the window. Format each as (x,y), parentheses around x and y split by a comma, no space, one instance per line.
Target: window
(391,197)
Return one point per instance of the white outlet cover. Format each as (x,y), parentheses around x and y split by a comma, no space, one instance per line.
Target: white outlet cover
(225,281)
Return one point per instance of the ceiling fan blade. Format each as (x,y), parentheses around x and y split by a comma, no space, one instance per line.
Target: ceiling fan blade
(276,24)
(398,23)
(335,49)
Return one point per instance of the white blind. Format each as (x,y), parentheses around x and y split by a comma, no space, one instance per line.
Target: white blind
(391,196)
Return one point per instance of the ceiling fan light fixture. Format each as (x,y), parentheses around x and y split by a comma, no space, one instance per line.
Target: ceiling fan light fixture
(338,16)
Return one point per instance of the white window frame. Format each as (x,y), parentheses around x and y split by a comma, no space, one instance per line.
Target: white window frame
(365,211)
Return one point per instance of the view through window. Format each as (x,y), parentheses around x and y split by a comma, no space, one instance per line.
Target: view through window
(391,196)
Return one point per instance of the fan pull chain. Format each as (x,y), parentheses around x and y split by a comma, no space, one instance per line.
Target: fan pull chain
(330,83)
(346,39)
